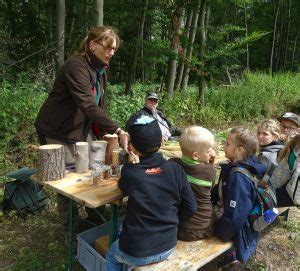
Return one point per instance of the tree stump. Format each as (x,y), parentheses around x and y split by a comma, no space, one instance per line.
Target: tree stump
(97,154)
(51,162)
(112,144)
(81,157)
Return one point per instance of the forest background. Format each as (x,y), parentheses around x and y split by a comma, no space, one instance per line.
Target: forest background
(215,63)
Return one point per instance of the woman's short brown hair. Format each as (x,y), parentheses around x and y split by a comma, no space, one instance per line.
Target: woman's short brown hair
(246,139)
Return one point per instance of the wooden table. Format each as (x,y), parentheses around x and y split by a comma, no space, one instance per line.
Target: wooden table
(80,188)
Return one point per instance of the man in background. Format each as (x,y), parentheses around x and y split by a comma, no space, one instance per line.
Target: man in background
(150,109)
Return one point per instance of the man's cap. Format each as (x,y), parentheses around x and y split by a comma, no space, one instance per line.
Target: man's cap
(152,95)
(290,116)
(145,134)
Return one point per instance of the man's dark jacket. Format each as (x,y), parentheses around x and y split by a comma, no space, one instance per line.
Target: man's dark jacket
(70,109)
(147,112)
(159,196)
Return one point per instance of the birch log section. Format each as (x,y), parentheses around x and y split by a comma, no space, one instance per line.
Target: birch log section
(51,162)
(81,157)
(112,144)
(97,154)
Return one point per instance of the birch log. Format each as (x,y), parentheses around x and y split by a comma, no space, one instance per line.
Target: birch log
(112,144)
(51,162)
(81,157)
(97,154)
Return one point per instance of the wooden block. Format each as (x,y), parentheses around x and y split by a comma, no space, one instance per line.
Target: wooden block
(101,245)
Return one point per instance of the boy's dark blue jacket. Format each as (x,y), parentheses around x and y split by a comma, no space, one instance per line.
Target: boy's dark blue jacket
(159,196)
(239,198)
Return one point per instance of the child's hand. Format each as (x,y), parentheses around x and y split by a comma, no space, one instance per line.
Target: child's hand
(212,157)
(135,158)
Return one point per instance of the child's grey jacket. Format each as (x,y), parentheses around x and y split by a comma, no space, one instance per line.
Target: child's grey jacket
(268,155)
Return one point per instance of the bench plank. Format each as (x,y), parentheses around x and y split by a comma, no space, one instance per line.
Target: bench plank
(190,255)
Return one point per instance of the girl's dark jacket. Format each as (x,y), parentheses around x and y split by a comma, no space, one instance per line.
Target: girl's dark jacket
(70,109)
(239,198)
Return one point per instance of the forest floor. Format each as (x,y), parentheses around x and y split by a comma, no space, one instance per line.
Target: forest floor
(37,243)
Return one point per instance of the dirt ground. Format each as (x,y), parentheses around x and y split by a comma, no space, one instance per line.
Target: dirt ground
(37,243)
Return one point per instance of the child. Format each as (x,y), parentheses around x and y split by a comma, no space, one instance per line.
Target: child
(285,177)
(159,197)
(196,145)
(269,145)
(289,123)
(238,196)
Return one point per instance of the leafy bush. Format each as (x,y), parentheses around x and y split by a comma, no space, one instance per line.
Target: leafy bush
(255,97)
(19,103)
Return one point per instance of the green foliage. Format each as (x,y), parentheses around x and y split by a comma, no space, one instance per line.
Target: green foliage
(256,97)
(19,103)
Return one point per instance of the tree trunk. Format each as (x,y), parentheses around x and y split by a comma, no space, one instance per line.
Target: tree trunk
(247,45)
(86,15)
(51,23)
(99,12)
(183,51)
(192,35)
(51,162)
(287,34)
(294,50)
(202,83)
(72,24)
(132,69)
(60,29)
(172,63)
(280,42)
(273,41)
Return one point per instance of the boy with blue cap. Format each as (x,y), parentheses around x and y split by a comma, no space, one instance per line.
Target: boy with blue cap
(159,198)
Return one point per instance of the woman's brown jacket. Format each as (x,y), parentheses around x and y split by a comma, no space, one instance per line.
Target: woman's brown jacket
(70,109)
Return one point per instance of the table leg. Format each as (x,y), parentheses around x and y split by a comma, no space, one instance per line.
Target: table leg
(70,237)
(113,223)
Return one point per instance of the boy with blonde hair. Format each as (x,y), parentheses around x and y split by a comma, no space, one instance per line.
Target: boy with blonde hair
(196,144)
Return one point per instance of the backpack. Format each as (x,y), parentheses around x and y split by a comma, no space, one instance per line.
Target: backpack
(265,193)
(293,187)
(22,195)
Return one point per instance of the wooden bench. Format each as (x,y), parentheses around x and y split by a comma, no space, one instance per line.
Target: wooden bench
(190,255)
(193,255)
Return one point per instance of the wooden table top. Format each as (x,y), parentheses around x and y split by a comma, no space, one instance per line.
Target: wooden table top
(80,188)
